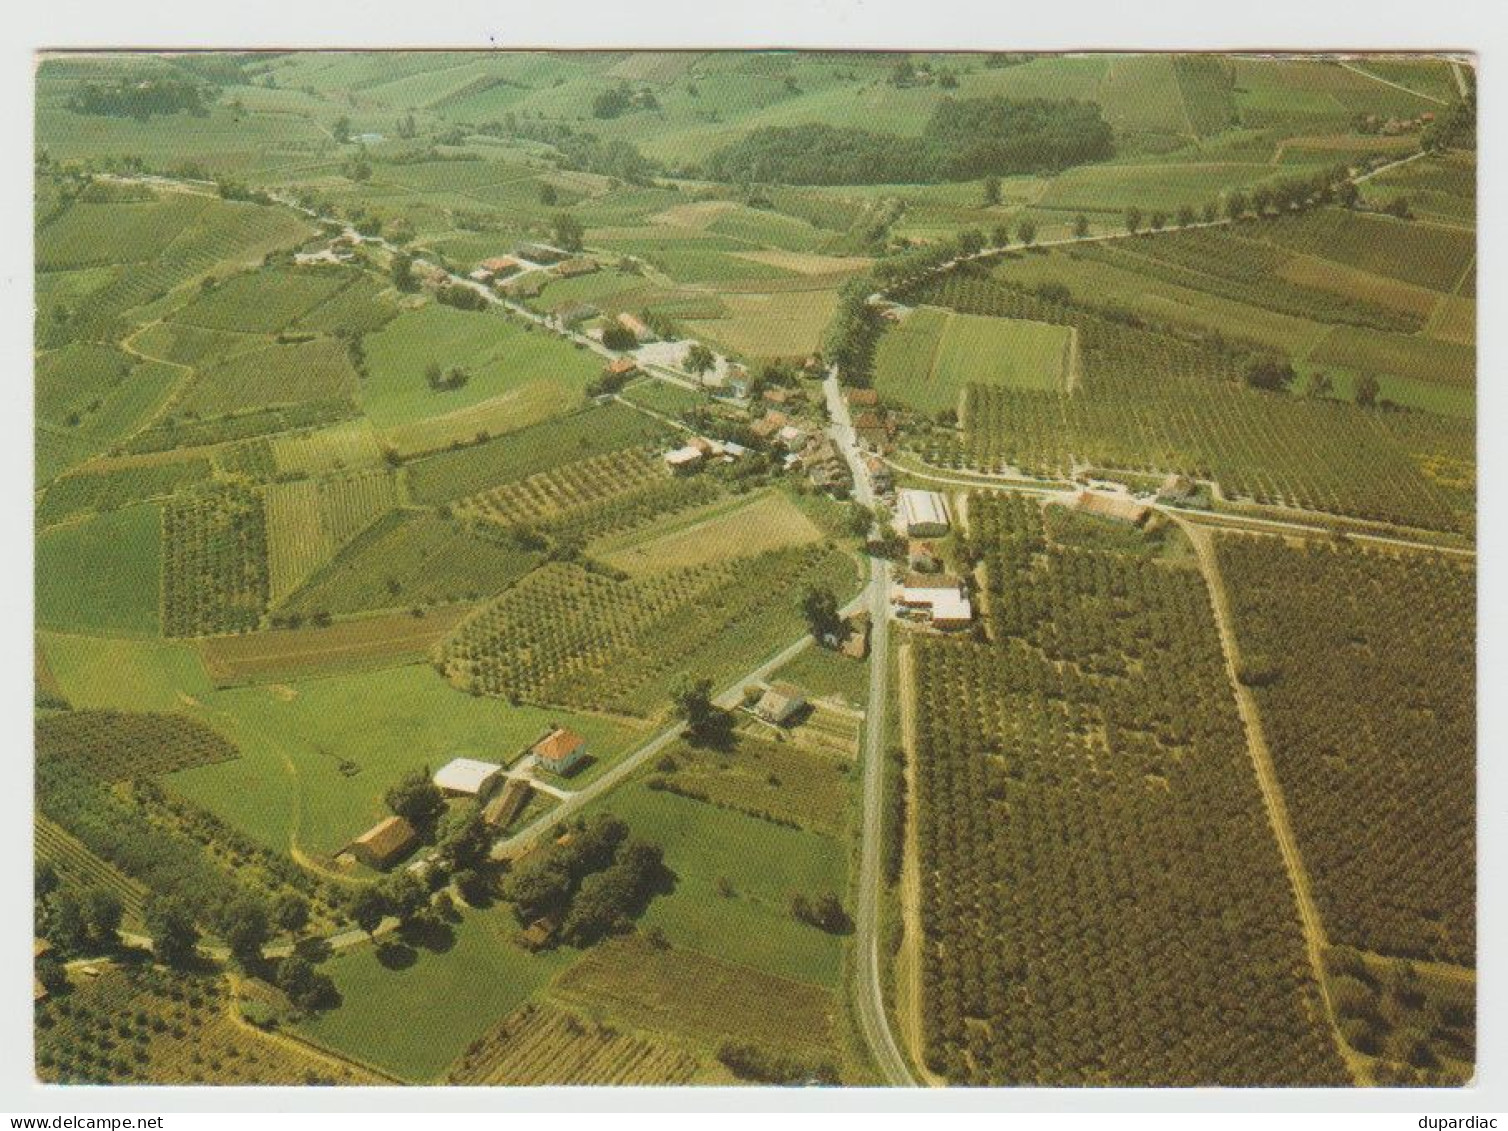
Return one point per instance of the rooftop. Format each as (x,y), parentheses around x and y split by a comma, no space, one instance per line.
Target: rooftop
(465,775)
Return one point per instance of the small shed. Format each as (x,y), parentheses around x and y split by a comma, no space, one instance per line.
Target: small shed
(683,460)
(385,842)
(780,703)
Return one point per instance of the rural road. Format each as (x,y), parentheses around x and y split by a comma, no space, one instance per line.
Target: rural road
(870,997)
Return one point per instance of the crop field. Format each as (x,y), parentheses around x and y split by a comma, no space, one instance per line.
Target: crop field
(309,520)
(1153,401)
(541,1045)
(823,672)
(318,372)
(705,537)
(413,559)
(142,1025)
(341,446)
(691,996)
(412,1009)
(389,640)
(776,781)
(554,494)
(118,746)
(565,634)
(1099,711)
(85,493)
(602,428)
(933,354)
(1381,788)
(101,574)
(75,863)
(768,327)
(214,570)
(535,373)
(263,301)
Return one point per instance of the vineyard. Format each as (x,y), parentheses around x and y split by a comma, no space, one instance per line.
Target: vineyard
(565,634)
(1151,401)
(214,551)
(142,1025)
(1102,899)
(309,520)
(316,372)
(540,1045)
(121,746)
(548,495)
(408,559)
(1363,665)
(83,869)
(92,492)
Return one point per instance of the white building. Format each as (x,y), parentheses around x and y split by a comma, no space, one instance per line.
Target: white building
(467,777)
(683,459)
(922,514)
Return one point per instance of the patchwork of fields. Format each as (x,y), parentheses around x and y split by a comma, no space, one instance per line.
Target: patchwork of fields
(314,518)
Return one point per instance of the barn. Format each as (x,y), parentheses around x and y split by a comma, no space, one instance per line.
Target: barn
(923,514)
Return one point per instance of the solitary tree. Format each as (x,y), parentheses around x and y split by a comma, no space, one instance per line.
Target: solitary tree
(1133,220)
(402,271)
(1235,205)
(820,608)
(1367,388)
(693,701)
(417,800)
(103,910)
(698,360)
(568,231)
(1080,226)
(547,195)
(1026,232)
(991,191)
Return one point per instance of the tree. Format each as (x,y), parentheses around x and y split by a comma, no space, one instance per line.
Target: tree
(693,701)
(991,191)
(340,130)
(568,231)
(51,973)
(402,271)
(171,926)
(1367,388)
(970,241)
(67,925)
(547,195)
(1347,194)
(405,895)
(247,928)
(1133,220)
(698,360)
(1026,232)
(417,800)
(1080,226)
(1159,221)
(464,841)
(820,608)
(102,911)
(618,337)
(305,986)
(368,909)
(1211,211)
(1185,216)
(291,912)
(1270,374)
(1235,205)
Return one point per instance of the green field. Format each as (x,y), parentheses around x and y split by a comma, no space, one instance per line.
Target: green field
(928,359)
(100,575)
(533,372)
(765,864)
(413,1020)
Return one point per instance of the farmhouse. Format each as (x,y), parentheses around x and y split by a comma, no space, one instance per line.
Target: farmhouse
(574,313)
(767,427)
(480,275)
(620,367)
(1111,505)
(952,611)
(923,514)
(879,474)
(942,597)
(384,842)
(560,751)
(467,777)
(872,430)
(791,436)
(635,325)
(780,703)
(499,266)
(573,267)
(683,460)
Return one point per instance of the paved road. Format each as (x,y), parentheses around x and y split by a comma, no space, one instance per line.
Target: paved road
(870,995)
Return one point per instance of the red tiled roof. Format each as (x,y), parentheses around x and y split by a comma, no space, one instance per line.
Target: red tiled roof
(558,745)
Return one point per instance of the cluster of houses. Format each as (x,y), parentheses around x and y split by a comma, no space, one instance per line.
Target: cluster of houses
(700,451)
(500,271)
(1392,127)
(501,794)
(872,424)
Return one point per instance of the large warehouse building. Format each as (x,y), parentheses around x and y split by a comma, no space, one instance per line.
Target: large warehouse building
(923,514)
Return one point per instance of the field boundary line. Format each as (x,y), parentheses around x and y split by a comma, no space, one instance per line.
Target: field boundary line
(1389,82)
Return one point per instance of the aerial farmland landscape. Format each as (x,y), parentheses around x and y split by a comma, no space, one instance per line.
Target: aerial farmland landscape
(731,568)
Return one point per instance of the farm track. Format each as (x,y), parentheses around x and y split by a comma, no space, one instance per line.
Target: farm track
(1315,939)
(1395,85)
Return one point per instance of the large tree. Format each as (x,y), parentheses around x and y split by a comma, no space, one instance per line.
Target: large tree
(417,800)
(171,926)
(820,608)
